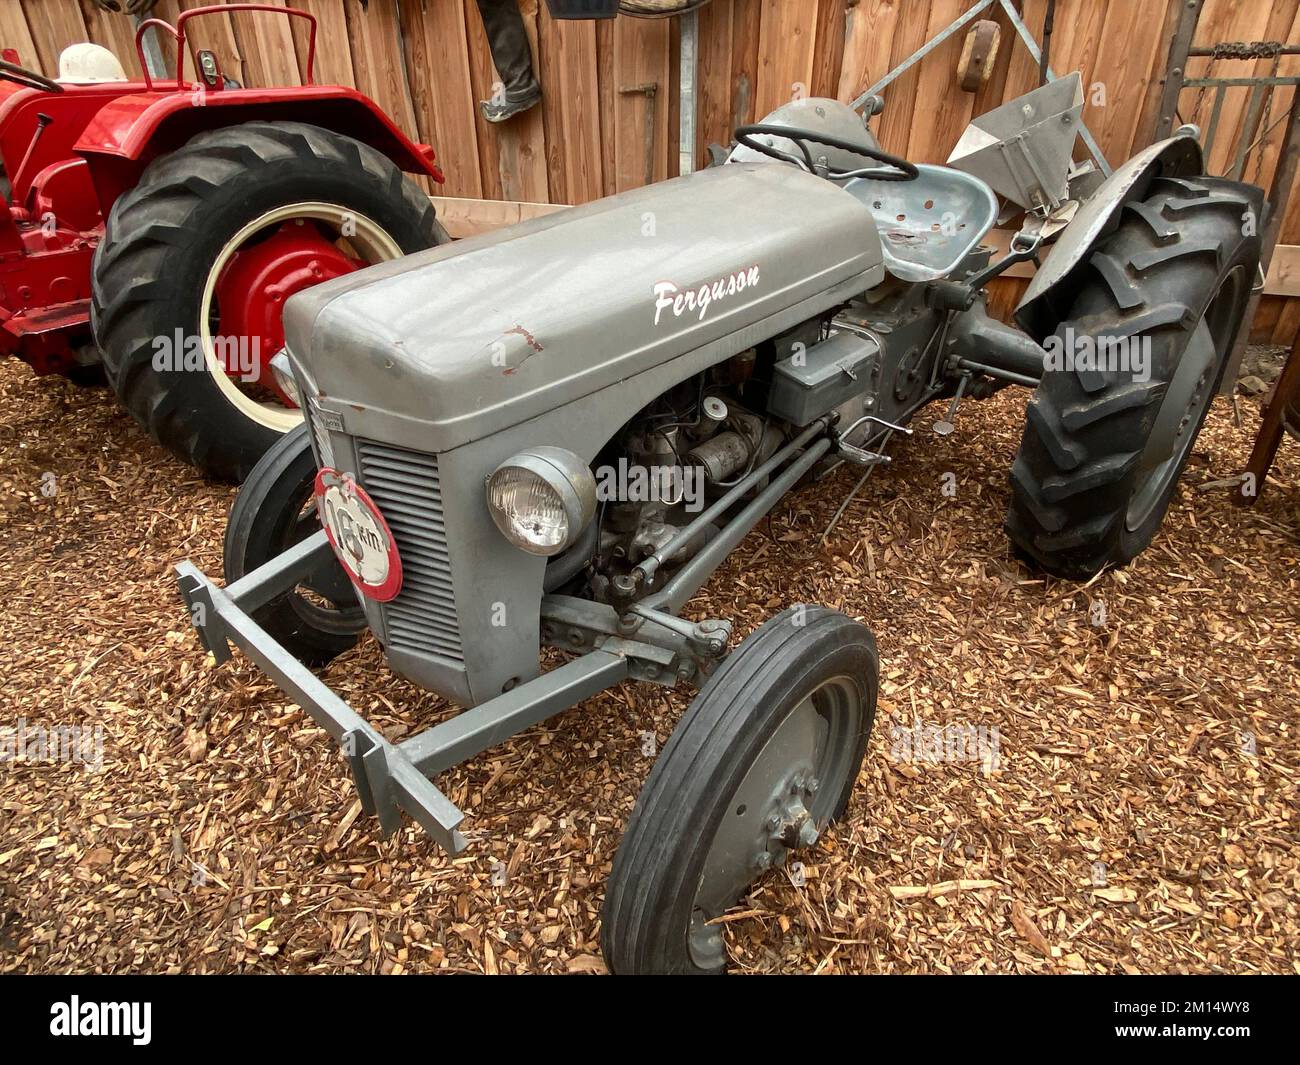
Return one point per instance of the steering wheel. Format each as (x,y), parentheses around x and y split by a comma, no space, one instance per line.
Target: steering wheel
(896,169)
(27,78)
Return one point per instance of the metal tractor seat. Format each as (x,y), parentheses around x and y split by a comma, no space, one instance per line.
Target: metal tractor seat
(927,226)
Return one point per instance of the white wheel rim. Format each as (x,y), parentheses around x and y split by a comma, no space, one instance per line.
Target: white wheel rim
(367,238)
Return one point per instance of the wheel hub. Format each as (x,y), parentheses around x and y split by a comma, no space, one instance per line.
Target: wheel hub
(253,287)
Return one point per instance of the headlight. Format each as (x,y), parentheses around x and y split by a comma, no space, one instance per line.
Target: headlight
(283,374)
(542,498)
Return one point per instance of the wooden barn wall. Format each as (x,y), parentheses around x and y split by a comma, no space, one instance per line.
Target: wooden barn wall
(599,131)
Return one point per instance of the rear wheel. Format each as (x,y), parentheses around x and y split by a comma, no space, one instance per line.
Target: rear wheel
(199,258)
(766,756)
(275,509)
(1138,360)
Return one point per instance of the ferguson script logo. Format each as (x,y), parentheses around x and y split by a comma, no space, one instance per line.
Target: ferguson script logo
(702,297)
(102,1018)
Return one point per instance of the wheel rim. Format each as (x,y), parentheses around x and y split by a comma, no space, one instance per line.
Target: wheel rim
(277,254)
(784,800)
(1186,401)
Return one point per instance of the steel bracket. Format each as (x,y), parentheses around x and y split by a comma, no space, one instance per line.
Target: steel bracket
(659,647)
(391,778)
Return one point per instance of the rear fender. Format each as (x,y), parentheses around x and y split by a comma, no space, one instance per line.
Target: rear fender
(1052,289)
(65,192)
(127,134)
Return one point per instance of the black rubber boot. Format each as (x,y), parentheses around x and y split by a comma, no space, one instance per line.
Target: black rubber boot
(507,105)
(512,57)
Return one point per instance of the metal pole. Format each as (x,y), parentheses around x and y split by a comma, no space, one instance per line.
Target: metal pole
(923,51)
(690,32)
(1279,196)
(154,60)
(1013,16)
(1049,21)
(1176,67)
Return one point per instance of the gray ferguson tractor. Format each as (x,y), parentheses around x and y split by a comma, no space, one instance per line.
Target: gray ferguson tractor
(550,436)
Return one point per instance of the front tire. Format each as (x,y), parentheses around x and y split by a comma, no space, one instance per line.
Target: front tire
(275,509)
(208,246)
(763,759)
(1103,446)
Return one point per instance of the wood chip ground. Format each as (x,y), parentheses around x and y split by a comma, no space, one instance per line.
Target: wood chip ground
(1141,815)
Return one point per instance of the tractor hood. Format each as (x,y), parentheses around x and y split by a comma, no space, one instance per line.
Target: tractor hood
(473,337)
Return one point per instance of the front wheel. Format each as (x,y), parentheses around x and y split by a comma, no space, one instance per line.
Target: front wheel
(275,509)
(763,759)
(198,260)
(1130,374)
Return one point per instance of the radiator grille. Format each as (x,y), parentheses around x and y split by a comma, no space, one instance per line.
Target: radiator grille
(321,436)
(405,487)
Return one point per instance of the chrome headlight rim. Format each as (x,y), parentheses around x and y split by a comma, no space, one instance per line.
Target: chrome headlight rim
(282,371)
(565,475)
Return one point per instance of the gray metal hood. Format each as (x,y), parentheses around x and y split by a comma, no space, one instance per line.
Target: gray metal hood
(473,337)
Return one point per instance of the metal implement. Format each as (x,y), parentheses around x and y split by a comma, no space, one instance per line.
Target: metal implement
(390,778)
(870,101)
(1023,148)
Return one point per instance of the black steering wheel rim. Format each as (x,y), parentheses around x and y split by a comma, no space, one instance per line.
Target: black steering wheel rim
(896,168)
(27,78)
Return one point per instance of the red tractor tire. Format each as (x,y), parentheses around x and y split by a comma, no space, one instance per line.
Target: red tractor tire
(205,249)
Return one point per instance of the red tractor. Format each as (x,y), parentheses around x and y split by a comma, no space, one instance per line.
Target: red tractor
(157,228)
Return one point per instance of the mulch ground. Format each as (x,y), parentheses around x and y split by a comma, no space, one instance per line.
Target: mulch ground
(1140,814)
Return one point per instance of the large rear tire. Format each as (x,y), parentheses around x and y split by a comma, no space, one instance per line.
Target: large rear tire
(765,756)
(207,247)
(1104,444)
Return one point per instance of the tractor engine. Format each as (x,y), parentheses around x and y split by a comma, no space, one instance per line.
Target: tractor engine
(673,459)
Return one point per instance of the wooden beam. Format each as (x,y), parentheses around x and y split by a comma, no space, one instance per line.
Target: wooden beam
(333,60)
(640,118)
(521,142)
(786,37)
(15,33)
(571,105)
(868,38)
(54,25)
(438,71)
(713,81)
(115,31)
(376,63)
(946,109)
(464,217)
(1284,271)
(267,47)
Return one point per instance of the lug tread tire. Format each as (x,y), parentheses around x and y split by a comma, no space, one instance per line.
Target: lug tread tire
(145,267)
(1151,277)
(649,892)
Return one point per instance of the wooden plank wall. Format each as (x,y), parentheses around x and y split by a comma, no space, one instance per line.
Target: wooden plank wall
(600,131)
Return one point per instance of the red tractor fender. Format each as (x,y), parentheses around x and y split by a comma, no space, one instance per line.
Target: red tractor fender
(131,131)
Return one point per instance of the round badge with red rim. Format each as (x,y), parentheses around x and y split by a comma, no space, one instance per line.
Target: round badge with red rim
(360,536)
